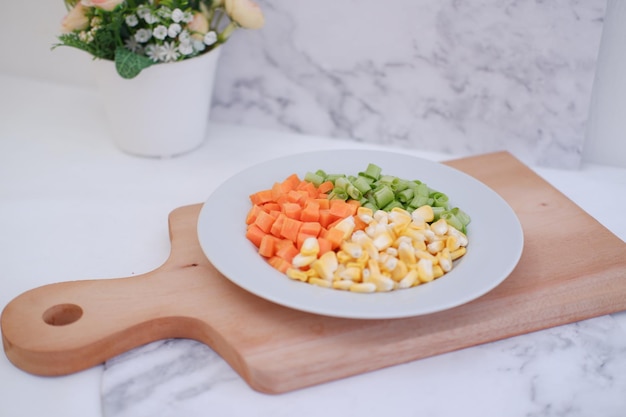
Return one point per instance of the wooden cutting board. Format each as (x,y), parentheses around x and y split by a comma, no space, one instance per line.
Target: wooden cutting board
(572,268)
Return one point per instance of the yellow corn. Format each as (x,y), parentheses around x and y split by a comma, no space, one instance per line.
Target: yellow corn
(326,265)
(297,274)
(363,287)
(310,246)
(320,282)
(396,250)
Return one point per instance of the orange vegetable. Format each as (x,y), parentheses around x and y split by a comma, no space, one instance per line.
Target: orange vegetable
(290,229)
(261,197)
(283,217)
(267,246)
(264,221)
(255,234)
(311,211)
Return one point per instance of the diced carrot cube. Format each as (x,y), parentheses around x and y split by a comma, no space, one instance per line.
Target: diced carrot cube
(255,234)
(267,246)
(261,197)
(252,213)
(290,229)
(264,221)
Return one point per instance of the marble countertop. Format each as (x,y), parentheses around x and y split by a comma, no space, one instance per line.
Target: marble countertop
(74,207)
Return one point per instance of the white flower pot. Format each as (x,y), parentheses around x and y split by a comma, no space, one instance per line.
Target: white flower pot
(164,111)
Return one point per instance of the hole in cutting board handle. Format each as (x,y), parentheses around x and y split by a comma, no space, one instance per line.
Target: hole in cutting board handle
(62,314)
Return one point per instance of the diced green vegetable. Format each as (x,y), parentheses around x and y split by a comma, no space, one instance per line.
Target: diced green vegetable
(384,192)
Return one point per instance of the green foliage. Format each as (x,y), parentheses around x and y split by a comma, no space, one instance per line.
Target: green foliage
(129,64)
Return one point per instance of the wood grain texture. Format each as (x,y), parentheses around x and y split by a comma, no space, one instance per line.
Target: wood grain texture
(572,268)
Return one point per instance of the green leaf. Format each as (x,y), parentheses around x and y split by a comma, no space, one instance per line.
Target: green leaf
(129,64)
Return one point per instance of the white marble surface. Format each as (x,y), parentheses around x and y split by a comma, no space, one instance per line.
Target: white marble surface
(450,76)
(575,370)
(73,207)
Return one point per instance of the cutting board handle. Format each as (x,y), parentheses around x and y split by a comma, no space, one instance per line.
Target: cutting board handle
(61,328)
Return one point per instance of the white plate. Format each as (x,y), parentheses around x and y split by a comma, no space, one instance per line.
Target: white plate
(495,238)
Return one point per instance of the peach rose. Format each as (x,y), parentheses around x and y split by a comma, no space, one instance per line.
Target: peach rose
(199,26)
(246,13)
(75,19)
(107,5)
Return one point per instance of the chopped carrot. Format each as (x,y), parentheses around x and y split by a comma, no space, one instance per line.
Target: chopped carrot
(301,238)
(290,183)
(277,225)
(310,212)
(325,217)
(292,210)
(264,221)
(252,213)
(325,187)
(287,252)
(342,209)
(279,263)
(325,245)
(270,206)
(255,234)
(267,246)
(290,229)
(261,197)
(323,202)
(335,237)
(311,228)
(309,187)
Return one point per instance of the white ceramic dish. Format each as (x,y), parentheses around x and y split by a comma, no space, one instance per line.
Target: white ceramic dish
(495,238)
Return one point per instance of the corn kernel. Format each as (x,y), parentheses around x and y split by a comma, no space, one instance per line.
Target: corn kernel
(296,274)
(342,284)
(352,273)
(440,227)
(354,250)
(383,283)
(445,260)
(363,287)
(320,282)
(425,270)
(458,253)
(300,260)
(409,280)
(326,265)
(400,271)
(310,246)
(452,243)
(435,246)
(425,212)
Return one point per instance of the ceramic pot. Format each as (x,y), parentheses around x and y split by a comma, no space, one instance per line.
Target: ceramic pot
(163,111)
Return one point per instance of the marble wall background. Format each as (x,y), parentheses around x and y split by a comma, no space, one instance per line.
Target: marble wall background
(447,75)
(451,76)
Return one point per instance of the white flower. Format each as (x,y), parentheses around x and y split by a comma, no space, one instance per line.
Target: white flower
(184,36)
(133,45)
(199,46)
(152,52)
(150,18)
(143,11)
(186,48)
(96,21)
(143,35)
(85,36)
(168,52)
(160,32)
(177,15)
(173,30)
(210,38)
(187,17)
(131,20)
(164,12)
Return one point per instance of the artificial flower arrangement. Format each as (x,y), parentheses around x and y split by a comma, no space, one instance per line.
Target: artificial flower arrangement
(139,33)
